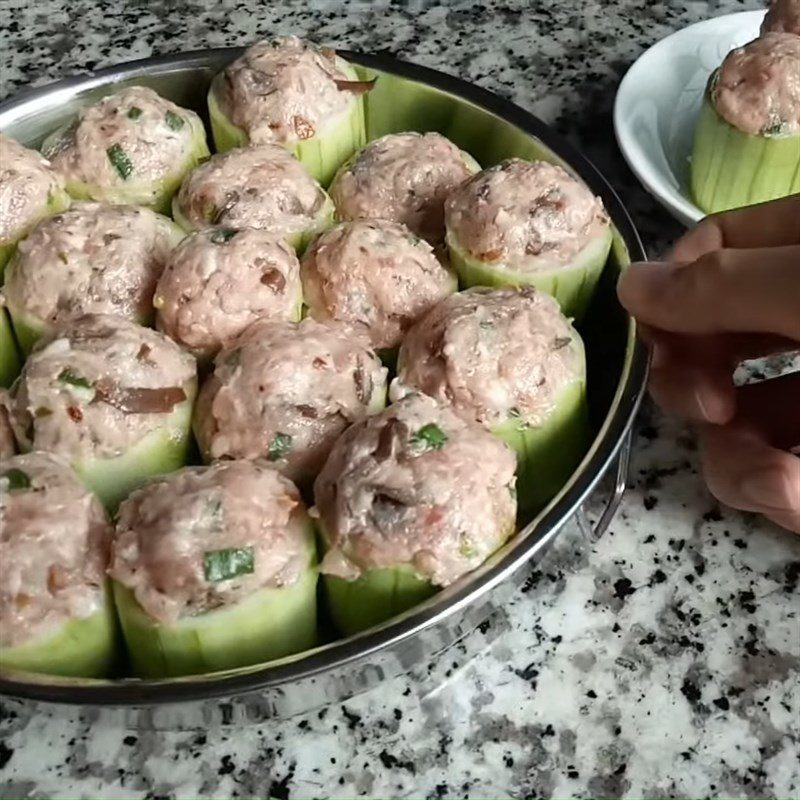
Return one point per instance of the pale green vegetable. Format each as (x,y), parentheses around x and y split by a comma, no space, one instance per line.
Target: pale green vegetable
(161,451)
(321,154)
(549,453)
(156,195)
(84,648)
(270,624)
(572,284)
(731,169)
(9,356)
(376,596)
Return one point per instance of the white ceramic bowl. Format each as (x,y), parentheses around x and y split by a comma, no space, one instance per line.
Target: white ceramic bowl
(659,99)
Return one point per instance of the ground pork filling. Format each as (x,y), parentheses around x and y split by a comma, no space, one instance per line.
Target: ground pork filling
(374,273)
(27,185)
(98,388)
(255,187)
(528,215)
(403,177)
(91,259)
(219,281)
(402,489)
(285,392)
(285,90)
(757,88)
(493,355)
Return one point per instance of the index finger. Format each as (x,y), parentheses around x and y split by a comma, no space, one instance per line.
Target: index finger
(773,224)
(726,291)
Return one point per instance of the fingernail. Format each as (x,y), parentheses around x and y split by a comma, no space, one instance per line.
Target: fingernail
(768,489)
(712,408)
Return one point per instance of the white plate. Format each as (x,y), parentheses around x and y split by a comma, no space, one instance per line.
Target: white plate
(659,99)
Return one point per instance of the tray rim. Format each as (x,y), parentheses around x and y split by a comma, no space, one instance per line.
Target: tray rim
(132,692)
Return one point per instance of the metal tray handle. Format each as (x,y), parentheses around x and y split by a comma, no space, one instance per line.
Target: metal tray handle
(595,531)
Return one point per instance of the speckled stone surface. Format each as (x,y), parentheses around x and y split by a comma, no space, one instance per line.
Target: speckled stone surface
(663,661)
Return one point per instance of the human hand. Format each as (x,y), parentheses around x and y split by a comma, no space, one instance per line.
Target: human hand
(730,291)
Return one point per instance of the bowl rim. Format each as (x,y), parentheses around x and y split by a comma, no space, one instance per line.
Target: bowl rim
(532,539)
(676,201)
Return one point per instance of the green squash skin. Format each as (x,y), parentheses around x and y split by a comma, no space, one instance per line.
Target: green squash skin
(731,169)
(321,155)
(376,596)
(10,363)
(572,285)
(81,648)
(157,197)
(547,455)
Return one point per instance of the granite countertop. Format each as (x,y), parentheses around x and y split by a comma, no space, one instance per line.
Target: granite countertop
(662,661)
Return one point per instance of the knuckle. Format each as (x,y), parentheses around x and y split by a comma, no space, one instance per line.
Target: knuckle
(709,271)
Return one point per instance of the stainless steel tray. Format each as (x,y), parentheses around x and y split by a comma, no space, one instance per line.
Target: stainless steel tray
(410,97)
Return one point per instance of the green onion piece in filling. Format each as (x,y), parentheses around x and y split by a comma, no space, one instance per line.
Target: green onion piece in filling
(467,549)
(429,437)
(222,235)
(174,121)
(73,379)
(774,129)
(134,112)
(222,565)
(17,479)
(515,413)
(119,159)
(280,445)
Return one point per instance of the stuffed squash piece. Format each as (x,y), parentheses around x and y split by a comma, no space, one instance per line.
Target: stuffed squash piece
(375,274)
(92,259)
(56,613)
(112,398)
(409,501)
(214,568)
(289,92)
(402,177)
(284,392)
(219,281)
(511,361)
(522,223)
(132,147)
(30,189)
(747,141)
(261,187)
